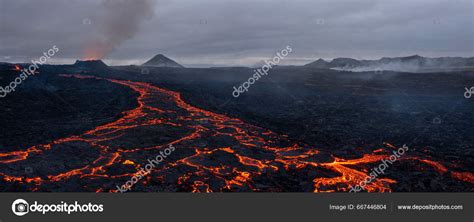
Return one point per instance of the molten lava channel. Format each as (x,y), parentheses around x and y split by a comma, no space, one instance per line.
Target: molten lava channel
(215,154)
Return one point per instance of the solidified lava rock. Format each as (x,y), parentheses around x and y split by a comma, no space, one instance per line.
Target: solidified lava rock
(47,107)
(323,138)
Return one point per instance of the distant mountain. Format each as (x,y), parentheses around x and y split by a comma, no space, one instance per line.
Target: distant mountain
(320,64)
(345,62)
(90,64)
(409,63)
(162,61)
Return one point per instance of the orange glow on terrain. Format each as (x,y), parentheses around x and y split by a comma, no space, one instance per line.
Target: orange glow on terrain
(214,153)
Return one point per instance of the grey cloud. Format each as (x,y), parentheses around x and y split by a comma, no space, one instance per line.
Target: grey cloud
(244,32)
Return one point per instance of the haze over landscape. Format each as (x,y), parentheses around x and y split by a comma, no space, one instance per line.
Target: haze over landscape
(234,33)
(236,96)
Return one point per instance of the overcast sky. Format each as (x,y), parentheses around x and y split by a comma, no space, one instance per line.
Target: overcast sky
(237,32)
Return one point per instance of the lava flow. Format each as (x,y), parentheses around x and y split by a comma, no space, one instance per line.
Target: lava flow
(214,153)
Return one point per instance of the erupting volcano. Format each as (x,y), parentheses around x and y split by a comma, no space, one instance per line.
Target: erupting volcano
(90,65)
(214,153)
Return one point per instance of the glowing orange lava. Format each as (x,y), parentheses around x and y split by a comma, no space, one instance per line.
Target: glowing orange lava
(251,155)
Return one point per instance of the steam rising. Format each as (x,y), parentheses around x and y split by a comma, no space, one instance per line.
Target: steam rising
(393,66)
(409,64)
(121,22)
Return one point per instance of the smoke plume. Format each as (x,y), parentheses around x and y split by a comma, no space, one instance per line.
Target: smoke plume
(121,21)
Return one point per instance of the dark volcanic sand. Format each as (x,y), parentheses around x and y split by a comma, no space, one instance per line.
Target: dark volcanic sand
(339,126)
(44,108)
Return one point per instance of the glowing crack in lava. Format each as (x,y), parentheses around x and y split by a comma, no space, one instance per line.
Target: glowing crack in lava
(214,153)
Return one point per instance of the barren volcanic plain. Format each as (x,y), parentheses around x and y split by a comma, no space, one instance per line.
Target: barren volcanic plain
(299,129)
